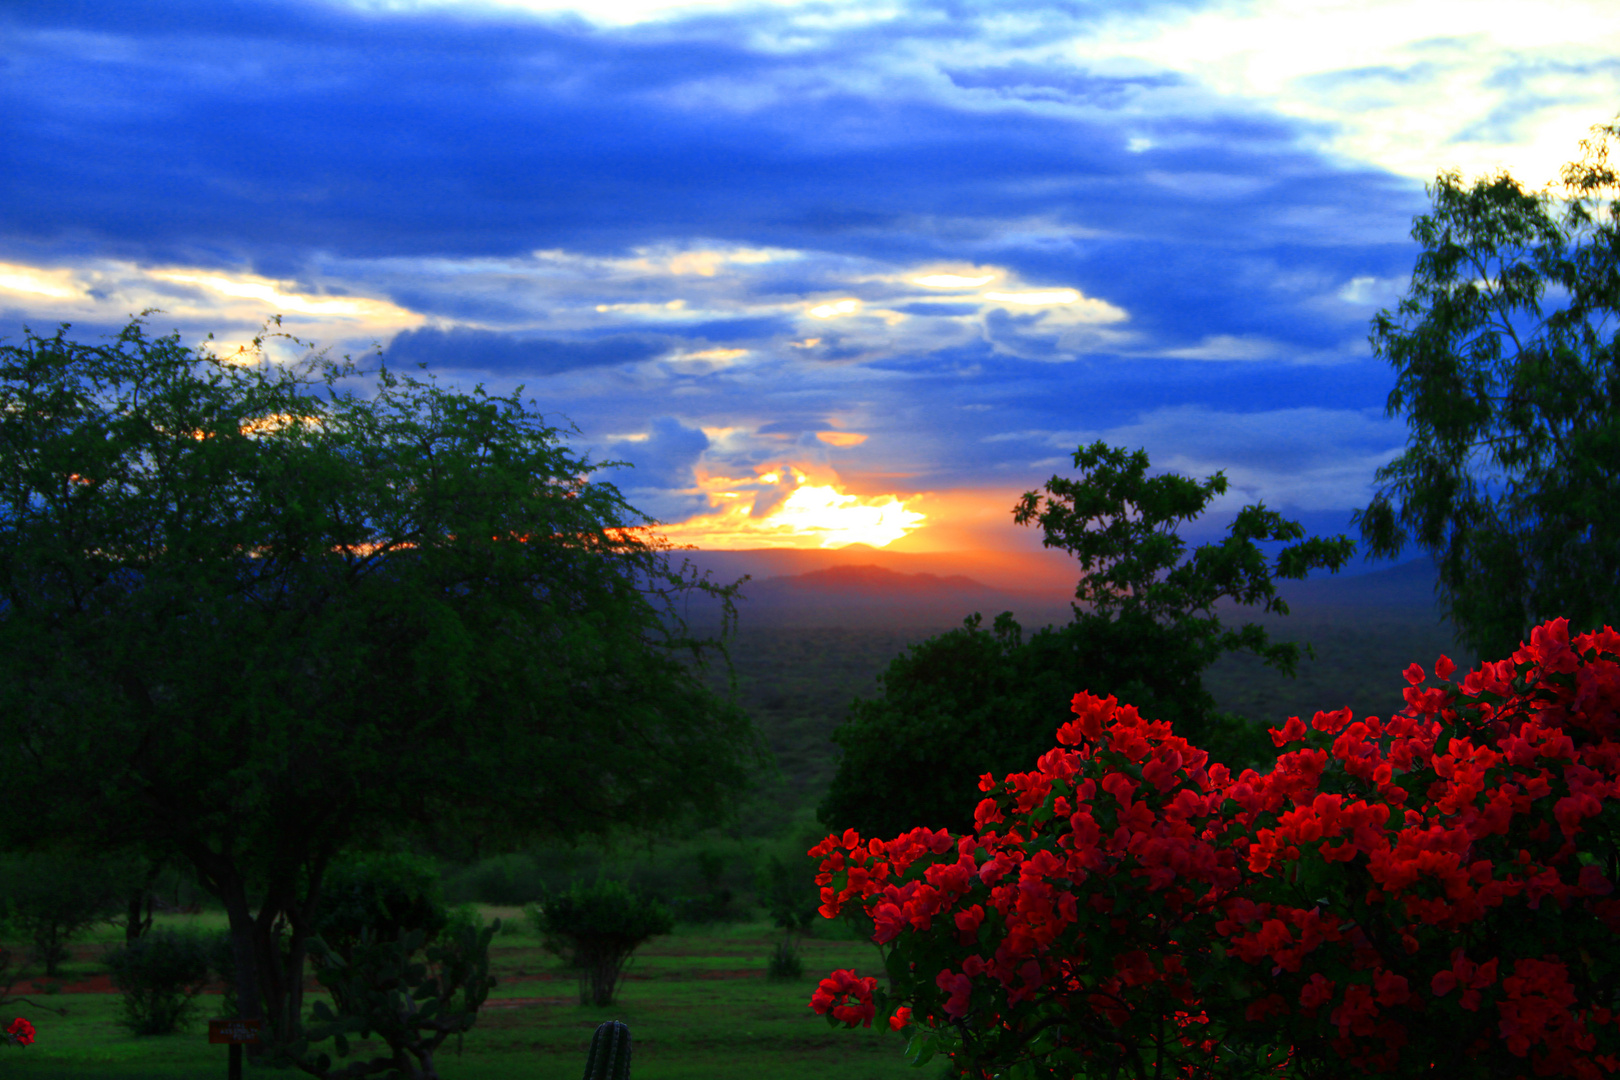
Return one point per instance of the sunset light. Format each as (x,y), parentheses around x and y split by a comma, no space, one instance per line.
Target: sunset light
(835,309)
(813,516)
(277,299)
(56,284)
(952,281)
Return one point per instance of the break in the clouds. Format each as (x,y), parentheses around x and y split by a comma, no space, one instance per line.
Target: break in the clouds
(820,271)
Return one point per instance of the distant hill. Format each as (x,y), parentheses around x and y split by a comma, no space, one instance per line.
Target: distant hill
(902,594)
(873,596)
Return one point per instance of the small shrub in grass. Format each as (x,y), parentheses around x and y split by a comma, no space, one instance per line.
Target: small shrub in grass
(595,928)
(159,975)
(789,893)
(784,963)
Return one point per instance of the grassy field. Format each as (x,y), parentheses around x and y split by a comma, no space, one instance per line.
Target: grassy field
(697,1003)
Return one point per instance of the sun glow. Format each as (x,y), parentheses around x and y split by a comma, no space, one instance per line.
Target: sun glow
(56,284)
(813,515)
(835,309)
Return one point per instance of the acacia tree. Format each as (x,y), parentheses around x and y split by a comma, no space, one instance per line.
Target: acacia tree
(251,617)
(1145,628)
(1507,359)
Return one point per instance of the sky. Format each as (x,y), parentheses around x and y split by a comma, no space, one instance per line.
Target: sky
(822,272)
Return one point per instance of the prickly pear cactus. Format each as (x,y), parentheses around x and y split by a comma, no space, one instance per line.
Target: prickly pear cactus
(610,1053)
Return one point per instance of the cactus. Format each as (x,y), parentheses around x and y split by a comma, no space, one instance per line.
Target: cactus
(610,1053)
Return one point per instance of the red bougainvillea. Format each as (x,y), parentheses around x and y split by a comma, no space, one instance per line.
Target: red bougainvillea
(1428,893)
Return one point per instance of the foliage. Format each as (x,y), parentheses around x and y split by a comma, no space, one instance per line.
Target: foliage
(55,896)
(382,990)
(159,975)
(596,928)
(787,891)
(971,701)
(510,880)
(260,613)
(1427,895)
(390,893)
(1507,361)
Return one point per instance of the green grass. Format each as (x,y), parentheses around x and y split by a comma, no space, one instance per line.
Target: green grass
(697,1003)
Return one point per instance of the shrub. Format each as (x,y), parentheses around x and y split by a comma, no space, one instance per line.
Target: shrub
(785,963)
(159,975)
(382,989)
(222,960)
(596,928)
(392,893)
(789,894)
(502,879)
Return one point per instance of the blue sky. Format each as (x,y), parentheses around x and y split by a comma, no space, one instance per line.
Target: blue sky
(822,271)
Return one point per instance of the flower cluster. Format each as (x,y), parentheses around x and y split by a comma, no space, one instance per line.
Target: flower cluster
(19,1032)
(1429,892)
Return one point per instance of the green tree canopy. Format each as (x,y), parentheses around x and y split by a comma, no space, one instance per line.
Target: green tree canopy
(1145,628)
(256,614)
(1507,360)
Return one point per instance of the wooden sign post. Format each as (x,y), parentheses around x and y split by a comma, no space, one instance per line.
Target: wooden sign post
(235,1032)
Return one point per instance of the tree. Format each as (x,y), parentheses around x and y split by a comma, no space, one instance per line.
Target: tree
(595,929)
(1507,361)
(55,896)
(256,614)
(1145,628)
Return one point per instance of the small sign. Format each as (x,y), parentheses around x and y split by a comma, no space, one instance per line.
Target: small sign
(234,1031)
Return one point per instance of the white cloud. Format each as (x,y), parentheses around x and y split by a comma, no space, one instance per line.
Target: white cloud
(1470,84)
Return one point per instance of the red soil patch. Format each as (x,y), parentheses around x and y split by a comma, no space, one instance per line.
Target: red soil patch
(95,984)
(103,984)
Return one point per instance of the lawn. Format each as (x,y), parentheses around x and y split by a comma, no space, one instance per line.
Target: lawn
(697,1003)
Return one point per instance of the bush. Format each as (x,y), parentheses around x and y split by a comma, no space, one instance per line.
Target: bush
(222,959)
(789,894)
(502,879)
(55,897)
(382,990)
(785,964)
(595,928)
(392,893)
(160,974)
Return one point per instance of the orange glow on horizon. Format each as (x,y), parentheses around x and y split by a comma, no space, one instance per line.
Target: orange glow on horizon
(812,516)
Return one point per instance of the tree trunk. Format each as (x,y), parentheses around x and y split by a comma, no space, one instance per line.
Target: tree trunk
(134,924)
(218,874)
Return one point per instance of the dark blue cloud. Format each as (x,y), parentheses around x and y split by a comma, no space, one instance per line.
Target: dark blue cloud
(326,129)
(661,466)
(488,350)
(283,135)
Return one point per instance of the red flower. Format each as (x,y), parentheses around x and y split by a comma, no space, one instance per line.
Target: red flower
(20,1031)
(833,995)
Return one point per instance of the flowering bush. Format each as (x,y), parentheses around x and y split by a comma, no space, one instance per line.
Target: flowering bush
(1428,893)
(19,1032)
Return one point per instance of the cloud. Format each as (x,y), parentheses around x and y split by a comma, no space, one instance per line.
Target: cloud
(465,348)
(749,233)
